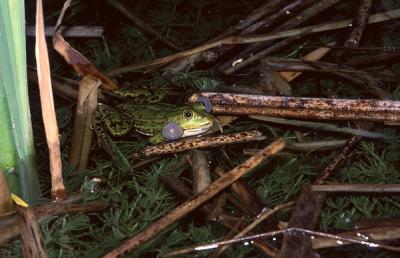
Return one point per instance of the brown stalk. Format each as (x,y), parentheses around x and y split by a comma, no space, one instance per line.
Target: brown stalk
(259,219)
(224,219)
(368,80)
(263,25)
(252,52)
(200,142)
(141,24)
(359,24)
(247,195)
(82,132)
(379,17)
(48,111)
(362,105)
(372,234)
(9,225)
(6,204)
(305,215)
(393,222)
(366,60)
(338,159)
(63,90)
(72,32)
(309,113)
(191,204)
(338,238)
(307,146)
(32,243)
(311,108)
(264,10)
(303,65)
(357,188)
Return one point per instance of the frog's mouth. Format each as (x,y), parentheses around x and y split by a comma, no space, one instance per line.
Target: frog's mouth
(197,130)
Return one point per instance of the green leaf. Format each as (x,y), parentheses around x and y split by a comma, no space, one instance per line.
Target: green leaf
(16,130)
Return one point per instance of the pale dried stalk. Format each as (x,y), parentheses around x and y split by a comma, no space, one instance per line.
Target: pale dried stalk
(47,104)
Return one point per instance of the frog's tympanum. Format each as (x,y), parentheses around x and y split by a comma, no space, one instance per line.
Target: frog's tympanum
(160,121)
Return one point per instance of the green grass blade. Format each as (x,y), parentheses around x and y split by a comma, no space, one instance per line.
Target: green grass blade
(16,130)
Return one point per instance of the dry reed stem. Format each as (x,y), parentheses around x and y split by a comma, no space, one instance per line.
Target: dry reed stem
(47,104)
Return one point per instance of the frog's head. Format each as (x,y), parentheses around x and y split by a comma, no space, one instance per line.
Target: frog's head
(194,120)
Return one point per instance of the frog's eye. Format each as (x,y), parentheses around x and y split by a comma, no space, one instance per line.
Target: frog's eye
(188,114)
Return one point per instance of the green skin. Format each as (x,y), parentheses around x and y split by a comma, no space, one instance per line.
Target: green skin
(150,119)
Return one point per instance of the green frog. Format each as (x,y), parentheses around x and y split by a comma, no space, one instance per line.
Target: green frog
(160,121)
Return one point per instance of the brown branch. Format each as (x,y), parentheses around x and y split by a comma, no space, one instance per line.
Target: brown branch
(264,10)
(200,142)
(263,216)
(261,26)
(352,240)
(141,24)
(9,226)
(379,17)
(373,234)
(299,107)
(357,188)
(6,204)
(359,23)
(32,242)
(305,215)
(337,160)
(188,206)
(249,52)
(224,219)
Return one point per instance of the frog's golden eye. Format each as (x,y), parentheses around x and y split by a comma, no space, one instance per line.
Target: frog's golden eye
(188,114)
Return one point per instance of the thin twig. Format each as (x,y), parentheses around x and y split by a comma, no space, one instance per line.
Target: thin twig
(224,219)
(252,53)
(339,159)
(188,206)
(357,188)
(9,226)
(200,142)
(249,239)
(379,17)
(322,126)
(359,24)
(141,24)
(259,219)
(375,234)
(72,32)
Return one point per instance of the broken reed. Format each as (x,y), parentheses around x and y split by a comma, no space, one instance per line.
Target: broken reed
(200,142)
(299,107)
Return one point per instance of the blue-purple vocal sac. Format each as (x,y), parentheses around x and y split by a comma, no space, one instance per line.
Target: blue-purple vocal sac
(172,131)
(206,102)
